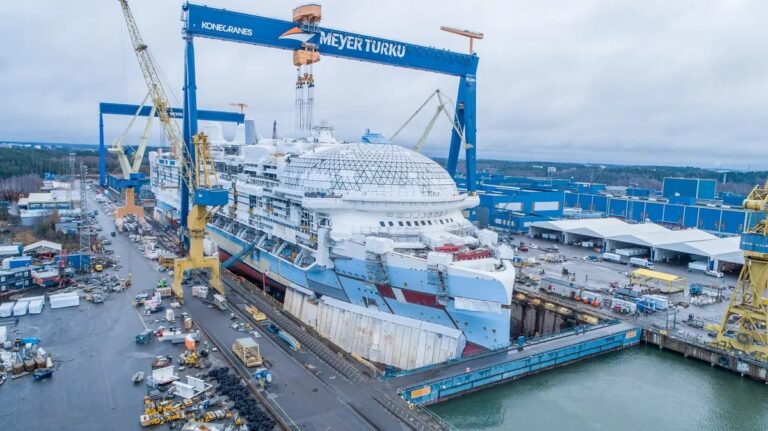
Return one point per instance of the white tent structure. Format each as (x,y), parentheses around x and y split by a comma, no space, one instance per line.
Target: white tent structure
(653,241)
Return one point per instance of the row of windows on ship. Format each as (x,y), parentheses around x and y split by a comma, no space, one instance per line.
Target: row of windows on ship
(416,222)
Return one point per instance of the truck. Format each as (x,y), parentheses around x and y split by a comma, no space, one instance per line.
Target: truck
(713,273)
(639,262)
(612,257)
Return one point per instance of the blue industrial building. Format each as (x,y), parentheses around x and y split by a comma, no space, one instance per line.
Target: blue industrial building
(509,202)
(514,208)
(695,188)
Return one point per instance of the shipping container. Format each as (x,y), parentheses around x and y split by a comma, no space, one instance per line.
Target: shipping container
(21,308)
(6,309)
(62,300)
(622,306)
(658,302)
(36,306)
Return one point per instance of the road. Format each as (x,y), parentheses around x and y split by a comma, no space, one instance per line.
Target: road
(307,392)
(598,275)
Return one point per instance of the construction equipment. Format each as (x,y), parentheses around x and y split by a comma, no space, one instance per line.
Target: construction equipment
(188,359)
(263,377)
(220,302)
(745,323)
(197,171)
(240,105)
(308,17)
(145,337)
(151,420)
(130,169)
(42,374)
(255,313)
(442,103)
(248,351)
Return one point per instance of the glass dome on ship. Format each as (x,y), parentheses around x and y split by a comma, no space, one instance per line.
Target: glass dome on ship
(375,170)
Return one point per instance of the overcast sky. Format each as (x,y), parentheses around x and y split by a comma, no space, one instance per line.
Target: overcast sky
(613,81)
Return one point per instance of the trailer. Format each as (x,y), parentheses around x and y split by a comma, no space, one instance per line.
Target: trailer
(698,265)
(612,257)
(639,262)
(247,350)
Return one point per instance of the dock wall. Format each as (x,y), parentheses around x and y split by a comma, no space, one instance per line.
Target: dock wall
(715,357)
(441,389)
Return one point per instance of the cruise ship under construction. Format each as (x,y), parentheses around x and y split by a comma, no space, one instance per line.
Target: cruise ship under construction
(367,242)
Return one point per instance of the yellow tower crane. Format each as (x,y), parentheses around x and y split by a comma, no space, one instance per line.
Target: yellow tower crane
(745,324)
(200,178)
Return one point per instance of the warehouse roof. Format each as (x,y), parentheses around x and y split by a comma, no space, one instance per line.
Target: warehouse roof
(687,241)
(712,247)
(597,228)
(42,244)
(9,250)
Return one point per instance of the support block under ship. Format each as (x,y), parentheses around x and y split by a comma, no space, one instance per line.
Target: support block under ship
(369,242)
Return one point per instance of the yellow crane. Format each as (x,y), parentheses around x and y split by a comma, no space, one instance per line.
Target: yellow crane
(745,323)
(200,176)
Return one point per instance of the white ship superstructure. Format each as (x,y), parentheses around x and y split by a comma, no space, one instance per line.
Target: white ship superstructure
(370,244)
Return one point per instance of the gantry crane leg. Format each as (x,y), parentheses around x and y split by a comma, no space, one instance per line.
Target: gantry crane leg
(130,207)
(196,259)
(745,324)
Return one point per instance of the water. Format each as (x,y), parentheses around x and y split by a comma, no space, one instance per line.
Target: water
(641,388)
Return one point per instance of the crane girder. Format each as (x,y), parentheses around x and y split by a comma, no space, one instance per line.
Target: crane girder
(157,93)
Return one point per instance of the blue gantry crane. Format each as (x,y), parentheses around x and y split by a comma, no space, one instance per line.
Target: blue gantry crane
(308,40)
(122,109)
(132,179)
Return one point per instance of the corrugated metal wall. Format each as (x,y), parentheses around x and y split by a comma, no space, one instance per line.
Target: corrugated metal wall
(393,340)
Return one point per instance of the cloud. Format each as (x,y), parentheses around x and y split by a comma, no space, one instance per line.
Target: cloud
(593,81)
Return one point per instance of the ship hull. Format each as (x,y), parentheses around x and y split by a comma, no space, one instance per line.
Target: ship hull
(406,295)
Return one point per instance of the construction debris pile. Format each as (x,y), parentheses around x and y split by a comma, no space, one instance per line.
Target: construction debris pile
(231,387)
(22,357)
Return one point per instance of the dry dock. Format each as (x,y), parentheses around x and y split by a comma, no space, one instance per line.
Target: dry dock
(435,384)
